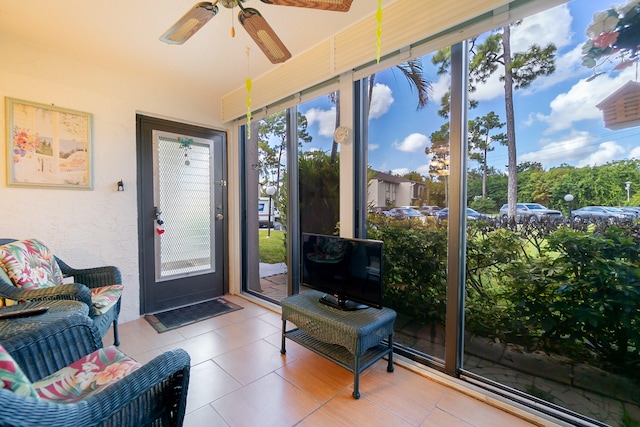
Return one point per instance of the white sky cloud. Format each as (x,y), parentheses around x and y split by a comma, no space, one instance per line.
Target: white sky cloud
(373,147)
(440,87)
(326,120)
(412,143)
(578,148)
(492,88)
(606,152)
(573,147)
(400,171)
(550,26)
(381,100)
(579,103)
(635,153)
(423,170)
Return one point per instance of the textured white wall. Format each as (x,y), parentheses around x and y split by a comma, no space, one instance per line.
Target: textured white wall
(99,227)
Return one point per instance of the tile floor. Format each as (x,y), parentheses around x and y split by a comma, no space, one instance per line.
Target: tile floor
(239,378)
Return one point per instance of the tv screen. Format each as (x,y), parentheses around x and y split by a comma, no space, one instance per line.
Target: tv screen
(348,271)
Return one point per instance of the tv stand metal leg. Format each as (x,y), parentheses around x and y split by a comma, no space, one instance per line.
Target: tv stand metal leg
(283,350)
(390,361)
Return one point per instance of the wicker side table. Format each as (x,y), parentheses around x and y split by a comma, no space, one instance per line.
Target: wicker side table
(352,339)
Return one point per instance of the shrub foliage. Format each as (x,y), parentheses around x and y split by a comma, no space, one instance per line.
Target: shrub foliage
(555,288)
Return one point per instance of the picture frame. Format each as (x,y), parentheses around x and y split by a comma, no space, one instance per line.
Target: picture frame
(48,146)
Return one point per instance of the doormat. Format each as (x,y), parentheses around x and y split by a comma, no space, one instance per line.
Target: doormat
(171,319)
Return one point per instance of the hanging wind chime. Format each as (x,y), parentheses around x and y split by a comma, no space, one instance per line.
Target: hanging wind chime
(186,145)
(248,85)
(379,31)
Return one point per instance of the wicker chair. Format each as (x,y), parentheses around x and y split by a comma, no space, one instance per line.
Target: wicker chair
(153,395)
(85,279)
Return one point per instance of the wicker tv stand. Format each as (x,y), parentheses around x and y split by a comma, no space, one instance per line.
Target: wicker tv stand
(352,339)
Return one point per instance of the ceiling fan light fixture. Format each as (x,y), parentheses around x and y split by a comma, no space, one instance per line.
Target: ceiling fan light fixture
(190,23)
(333,5)
(264,36)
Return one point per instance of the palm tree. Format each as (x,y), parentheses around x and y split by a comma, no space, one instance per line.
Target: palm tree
(412,70)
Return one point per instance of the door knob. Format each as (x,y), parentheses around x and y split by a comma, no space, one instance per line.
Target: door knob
(219,217)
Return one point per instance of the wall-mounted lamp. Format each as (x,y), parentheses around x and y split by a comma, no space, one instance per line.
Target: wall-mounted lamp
(120,186)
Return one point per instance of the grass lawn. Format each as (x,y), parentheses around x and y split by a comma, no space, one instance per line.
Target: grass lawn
(272,249)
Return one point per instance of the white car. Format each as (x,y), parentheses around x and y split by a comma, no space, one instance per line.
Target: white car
(263,212)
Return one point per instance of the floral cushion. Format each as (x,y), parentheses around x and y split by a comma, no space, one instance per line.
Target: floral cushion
(12,377)
(87,376)
(105,297)
(29,264)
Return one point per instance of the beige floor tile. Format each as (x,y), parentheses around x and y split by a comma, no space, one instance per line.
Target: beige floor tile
(267,402)
(138,337)
(272,319)
(204,417)
(401,392)
(439,418)
(247,330)
(476,412)
(239,378)
(345,411)
(251,362)
(208,382)
(317,376)
(205,346)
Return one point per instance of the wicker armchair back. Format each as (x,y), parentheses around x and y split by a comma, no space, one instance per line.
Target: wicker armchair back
(153,395)
(85,279)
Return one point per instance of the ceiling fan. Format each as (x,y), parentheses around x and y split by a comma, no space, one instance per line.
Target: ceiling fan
(250,19)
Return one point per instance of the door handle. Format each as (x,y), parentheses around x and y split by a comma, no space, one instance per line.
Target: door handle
(219,216)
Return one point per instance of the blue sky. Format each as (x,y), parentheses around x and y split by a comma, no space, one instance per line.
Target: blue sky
(556,117)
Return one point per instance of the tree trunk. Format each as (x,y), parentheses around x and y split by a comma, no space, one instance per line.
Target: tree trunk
(512,192)
(484,175)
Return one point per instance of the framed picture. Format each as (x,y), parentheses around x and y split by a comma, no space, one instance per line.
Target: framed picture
(48,146)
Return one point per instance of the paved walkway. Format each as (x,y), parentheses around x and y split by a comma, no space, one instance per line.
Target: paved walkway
(273,280)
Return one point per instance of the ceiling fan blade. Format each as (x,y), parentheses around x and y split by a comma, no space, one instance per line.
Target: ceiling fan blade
(334,5)
(190,23)
(263,35)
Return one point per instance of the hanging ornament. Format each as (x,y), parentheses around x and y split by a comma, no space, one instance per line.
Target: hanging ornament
(379,30)
(233,29)
(160,227)
(186,145)
(248,85)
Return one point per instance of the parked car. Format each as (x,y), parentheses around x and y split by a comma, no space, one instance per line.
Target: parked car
(263,212)
(633,209)
(429,210)
(380,210)
(472,215)
(404,213)
(531,213)
(591,213)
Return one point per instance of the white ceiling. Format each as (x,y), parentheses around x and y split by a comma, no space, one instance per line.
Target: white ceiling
(125,33)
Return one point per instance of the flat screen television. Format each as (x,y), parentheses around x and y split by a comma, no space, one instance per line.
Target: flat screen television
(347,270)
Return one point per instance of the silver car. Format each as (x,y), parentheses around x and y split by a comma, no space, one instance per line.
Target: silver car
(632,209)
(531,213)
(602,213)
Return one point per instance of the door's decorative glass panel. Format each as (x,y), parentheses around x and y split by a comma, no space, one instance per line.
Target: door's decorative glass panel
(183,200)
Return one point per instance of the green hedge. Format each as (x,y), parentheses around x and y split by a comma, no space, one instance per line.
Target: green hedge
(551,288)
